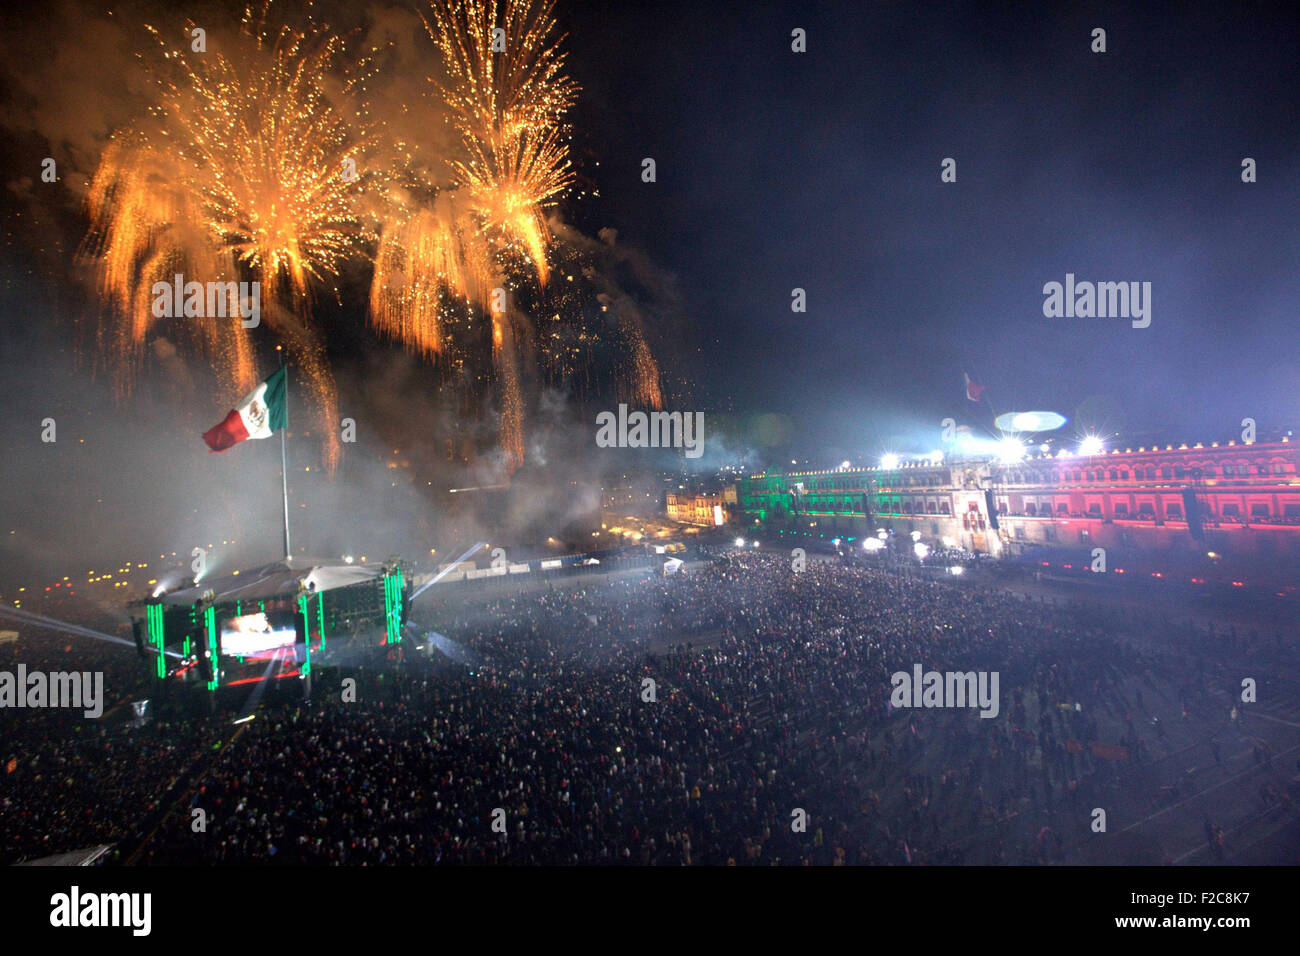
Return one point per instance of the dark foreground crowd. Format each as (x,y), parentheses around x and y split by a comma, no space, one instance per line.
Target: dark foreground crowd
(738,712)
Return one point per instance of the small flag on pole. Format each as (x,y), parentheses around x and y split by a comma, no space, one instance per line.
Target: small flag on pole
(973,389)
(259,414)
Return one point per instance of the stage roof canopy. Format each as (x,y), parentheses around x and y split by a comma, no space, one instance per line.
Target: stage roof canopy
(274,580)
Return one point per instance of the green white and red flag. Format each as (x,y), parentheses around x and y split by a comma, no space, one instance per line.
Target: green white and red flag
(259,414)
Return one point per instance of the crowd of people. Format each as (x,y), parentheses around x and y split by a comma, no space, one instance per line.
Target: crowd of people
(69,782)
(738,712)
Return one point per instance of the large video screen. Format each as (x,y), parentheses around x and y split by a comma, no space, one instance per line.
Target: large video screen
(253,635)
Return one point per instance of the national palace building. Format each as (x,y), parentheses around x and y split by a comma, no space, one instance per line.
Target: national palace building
(1233,499)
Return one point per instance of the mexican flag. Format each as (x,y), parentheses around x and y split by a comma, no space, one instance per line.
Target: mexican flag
(259,414)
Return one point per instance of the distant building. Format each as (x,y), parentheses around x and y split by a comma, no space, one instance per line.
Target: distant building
(706,510)
(1240,498)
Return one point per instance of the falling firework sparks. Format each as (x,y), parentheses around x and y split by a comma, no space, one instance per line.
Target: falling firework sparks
(507,95)
(239,171)
(146,231)
(244,169)
(507,107)
(425,256)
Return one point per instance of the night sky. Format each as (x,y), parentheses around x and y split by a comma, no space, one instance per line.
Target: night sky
(822,171)
(775,170)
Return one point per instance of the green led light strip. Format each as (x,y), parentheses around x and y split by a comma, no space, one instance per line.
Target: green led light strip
(306,624)
(154,621)
(210,621)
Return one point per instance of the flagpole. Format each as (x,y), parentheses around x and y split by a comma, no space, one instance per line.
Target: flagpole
(284,465)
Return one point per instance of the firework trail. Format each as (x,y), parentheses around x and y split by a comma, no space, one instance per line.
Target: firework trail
(512,402)
(645,372)
(242,169)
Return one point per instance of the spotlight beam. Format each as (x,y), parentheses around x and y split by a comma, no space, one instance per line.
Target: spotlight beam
(443,573)
(27,617)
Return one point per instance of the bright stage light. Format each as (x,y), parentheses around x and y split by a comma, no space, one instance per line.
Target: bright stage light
(844,464)
(921,549)
(1029,421)
(956,570)
(873,544)
(889,461)
(740,542)
(916,536)
(936,457)
(1092,445)
(1010,450)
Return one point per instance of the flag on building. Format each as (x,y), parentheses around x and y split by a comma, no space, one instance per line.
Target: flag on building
(259,414)
(973,389)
